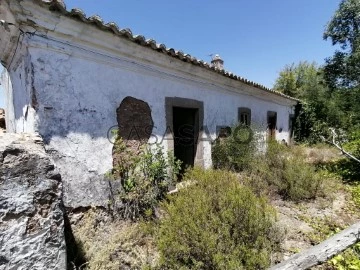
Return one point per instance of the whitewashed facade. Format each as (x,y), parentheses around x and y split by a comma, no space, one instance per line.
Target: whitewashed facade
(67,74)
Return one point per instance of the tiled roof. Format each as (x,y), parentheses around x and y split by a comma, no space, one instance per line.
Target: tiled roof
(59,6)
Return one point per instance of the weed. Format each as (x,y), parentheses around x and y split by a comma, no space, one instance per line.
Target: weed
(112,244)
(144,177)
(323,228)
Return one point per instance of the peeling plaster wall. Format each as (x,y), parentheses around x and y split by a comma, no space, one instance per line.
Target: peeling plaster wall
(77,99)
(9,105)
(68,90)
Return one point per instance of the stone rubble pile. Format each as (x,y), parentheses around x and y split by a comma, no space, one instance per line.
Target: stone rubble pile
(31,212)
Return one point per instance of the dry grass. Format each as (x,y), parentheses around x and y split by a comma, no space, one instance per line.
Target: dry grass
(110,245)
(321,154)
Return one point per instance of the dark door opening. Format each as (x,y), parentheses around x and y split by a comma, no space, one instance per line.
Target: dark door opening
(186,131)
(271,121)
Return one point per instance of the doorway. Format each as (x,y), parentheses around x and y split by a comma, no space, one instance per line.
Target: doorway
(186,130)
(271,122)
(184,127)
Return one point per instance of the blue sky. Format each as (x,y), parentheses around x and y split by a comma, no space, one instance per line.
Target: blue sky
(255,38)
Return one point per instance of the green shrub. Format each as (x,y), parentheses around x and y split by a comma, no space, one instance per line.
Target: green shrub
(348,168)
(216,223)
(349,259)
(144,178)
(236,151)
(355,193)
(286,172)
(281,169)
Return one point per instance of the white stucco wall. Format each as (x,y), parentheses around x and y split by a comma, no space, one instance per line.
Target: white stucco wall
(68,91)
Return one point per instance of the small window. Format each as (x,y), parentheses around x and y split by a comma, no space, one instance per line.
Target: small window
(244,116)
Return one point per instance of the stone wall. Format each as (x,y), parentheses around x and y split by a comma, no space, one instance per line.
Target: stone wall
(31,213)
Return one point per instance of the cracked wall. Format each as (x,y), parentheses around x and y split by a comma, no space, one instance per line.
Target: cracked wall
(67,83)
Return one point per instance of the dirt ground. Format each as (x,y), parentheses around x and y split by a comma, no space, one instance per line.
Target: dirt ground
(308,223)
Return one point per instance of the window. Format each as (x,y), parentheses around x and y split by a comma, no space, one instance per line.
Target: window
(271,121)
(244,116)
(291,125)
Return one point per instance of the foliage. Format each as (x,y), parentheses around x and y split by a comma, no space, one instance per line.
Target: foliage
(144,178)
(349,259)
(216,224)
(319,109)
(302,81)
(287,171)
(343,69)
(349,169)
(353,145)
(281,169)
(236,151)
(355,193)
(323,228)
(330,94)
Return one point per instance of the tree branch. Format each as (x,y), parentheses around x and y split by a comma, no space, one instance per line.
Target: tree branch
(337,144)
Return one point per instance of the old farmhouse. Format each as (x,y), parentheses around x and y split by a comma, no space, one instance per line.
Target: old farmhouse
(71,79)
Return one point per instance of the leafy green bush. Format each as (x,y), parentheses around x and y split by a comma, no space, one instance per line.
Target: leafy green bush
(236,151)
(144,178)
(348,168)
(349,259)
(216,223)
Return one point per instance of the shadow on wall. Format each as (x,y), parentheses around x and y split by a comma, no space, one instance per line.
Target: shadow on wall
(56,110)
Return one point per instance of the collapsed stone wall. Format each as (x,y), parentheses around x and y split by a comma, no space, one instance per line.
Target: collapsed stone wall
(31,213)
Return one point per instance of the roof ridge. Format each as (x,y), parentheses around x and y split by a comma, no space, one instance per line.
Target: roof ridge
(77,13)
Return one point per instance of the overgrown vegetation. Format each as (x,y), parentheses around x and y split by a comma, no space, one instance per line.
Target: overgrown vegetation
(282,169)
(330,94)
(236,151)
(221,219)
(217,223)
(288,171)
(113,244)
(349,259)
(323,228)
(142,179)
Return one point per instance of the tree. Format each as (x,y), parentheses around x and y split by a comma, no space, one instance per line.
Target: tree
(319,110)
(303,81)
(343,69)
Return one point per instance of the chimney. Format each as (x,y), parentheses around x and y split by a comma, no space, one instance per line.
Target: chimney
(217,62)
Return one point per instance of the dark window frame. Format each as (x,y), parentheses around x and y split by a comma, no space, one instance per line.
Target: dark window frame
(271,124)
(244,116)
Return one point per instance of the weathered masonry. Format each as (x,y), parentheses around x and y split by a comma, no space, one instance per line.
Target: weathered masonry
(71,78)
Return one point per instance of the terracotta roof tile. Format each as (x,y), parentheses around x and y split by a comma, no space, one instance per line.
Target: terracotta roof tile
(76,13)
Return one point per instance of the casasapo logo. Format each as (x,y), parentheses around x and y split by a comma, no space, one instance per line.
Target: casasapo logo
(184,134)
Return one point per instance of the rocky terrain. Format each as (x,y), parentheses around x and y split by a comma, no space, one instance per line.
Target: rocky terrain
(31,212)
